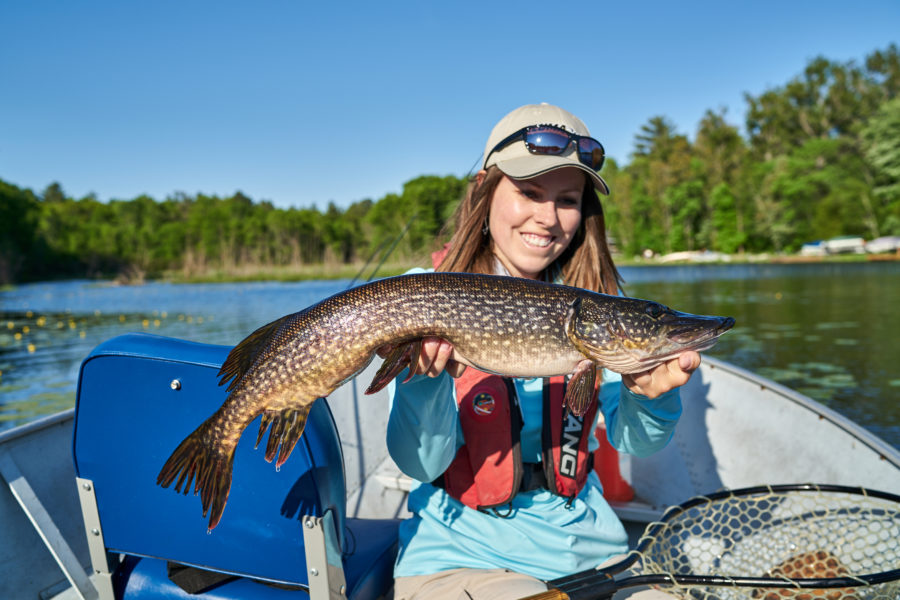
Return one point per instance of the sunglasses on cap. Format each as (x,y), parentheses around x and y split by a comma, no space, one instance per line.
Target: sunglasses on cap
(554,141)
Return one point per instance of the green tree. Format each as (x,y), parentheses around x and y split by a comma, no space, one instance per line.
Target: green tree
(18,231)
(727,236)
(881,137)
(662,159)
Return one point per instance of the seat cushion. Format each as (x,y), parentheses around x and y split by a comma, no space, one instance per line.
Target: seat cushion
(369,559)
(147,579)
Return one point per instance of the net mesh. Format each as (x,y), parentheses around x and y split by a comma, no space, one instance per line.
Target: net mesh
(778,535)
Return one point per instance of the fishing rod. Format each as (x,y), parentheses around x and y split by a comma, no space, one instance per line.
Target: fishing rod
(368,262)
(386,254)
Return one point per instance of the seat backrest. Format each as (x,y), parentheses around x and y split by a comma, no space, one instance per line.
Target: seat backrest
(130,416)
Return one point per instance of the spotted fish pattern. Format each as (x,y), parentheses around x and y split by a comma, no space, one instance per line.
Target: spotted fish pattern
(504,325)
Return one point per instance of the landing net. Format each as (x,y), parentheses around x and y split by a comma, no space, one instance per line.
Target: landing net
(806,542)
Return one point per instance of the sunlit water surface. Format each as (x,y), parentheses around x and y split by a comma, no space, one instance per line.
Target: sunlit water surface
(831,331)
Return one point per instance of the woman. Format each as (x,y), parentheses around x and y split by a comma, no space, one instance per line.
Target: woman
(532,211)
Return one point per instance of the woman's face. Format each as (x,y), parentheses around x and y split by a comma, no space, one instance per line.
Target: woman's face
(533,221)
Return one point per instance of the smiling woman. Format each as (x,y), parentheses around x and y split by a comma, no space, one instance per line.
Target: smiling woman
(532,221)
(533,211)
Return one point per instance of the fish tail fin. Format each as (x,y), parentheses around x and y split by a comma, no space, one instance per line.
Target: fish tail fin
(399,358)
(286,428)
(207,465)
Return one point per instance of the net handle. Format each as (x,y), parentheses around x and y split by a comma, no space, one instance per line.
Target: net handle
(600,586)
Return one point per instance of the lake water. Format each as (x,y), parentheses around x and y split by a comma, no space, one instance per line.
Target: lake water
(831,331)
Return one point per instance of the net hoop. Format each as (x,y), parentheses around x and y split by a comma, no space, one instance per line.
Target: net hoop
(765,542)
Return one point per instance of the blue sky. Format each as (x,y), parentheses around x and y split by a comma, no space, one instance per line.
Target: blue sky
(303,103)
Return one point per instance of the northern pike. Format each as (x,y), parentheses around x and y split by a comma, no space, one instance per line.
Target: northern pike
(504,325)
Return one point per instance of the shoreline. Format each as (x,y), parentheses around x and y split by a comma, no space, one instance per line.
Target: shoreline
(323,272)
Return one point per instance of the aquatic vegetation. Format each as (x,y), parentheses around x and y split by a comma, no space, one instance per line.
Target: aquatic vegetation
(36,405)
(818,380)
(837,325)
(781,375)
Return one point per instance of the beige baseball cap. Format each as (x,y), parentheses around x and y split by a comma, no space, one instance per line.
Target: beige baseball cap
(517,162)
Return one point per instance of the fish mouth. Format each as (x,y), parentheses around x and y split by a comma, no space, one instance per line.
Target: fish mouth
(700,333)
(693,336)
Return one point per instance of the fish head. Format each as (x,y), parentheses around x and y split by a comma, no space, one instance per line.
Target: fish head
(629,335)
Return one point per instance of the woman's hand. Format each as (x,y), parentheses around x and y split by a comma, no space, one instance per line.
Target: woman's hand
(434,358)
(664,377)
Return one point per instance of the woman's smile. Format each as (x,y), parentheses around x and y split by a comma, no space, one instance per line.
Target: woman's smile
(537,240)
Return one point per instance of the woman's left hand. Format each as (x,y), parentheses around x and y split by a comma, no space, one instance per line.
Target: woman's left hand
(662,378)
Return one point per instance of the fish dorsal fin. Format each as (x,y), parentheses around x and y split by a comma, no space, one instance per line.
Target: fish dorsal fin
(245,354)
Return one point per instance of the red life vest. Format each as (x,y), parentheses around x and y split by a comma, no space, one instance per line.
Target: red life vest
(487,470)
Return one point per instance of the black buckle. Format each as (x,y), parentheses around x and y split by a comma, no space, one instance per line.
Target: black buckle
(533,477)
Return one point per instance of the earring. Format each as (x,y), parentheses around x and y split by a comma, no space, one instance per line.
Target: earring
(485,229)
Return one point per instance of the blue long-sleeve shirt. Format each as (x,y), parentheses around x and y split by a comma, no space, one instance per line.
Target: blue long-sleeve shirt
(543,536)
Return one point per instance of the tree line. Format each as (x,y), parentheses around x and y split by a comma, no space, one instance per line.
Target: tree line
(51,235)
(817,157)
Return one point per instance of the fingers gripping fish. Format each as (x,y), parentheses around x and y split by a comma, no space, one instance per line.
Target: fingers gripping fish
(504,325)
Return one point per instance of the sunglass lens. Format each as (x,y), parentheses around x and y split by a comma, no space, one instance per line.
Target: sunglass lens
(591,153)
(542,140)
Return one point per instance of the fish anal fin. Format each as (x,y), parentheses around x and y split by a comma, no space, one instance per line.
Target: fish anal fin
(582,389)
(245,354)
(398,359)
(205,463)
(264,423)
(287,427)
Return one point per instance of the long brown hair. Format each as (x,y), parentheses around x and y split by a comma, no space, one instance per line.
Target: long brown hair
(586,263)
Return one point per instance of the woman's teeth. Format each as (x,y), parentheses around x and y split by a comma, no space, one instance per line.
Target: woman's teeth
(540,241)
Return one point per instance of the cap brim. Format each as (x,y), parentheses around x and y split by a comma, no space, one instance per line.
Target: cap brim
(526,167)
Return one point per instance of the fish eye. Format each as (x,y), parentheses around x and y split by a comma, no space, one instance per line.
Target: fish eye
(655,310)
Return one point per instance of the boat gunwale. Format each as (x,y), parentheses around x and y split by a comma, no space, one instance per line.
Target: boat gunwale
(37,425)
(871,440)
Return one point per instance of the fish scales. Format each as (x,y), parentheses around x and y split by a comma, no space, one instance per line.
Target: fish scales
(510,326)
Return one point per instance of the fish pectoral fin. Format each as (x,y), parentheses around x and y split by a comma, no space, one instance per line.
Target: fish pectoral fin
(286,428)
(399,358)
(570,324)
(581,389)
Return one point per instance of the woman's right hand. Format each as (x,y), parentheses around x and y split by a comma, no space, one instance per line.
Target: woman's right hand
(434,358)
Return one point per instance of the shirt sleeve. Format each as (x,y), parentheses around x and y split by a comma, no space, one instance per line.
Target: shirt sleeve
(636,424)
(423,427)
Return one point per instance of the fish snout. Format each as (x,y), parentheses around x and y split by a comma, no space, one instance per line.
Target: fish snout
(696,328)
(726,324)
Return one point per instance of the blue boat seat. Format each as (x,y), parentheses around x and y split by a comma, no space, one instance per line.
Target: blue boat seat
(138,397)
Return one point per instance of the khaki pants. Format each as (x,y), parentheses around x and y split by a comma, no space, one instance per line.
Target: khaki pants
(489,584)
(468,584)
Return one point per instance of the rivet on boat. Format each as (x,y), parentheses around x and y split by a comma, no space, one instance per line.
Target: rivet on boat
(175,385)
